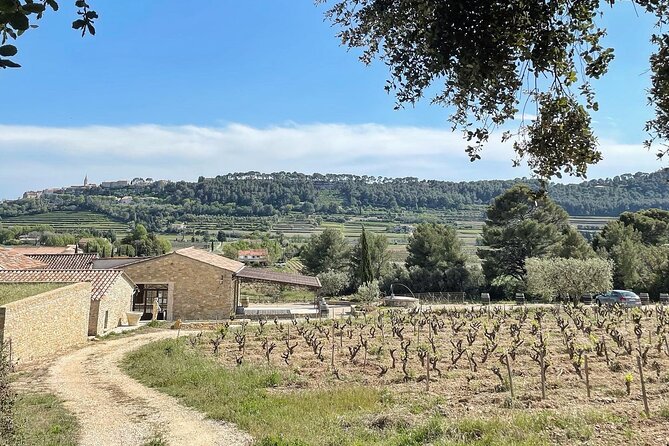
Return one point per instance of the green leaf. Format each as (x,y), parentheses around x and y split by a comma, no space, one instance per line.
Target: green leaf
(80,4)
(8,50)
(19,21)
(6,63)
(53,4)
(78,24)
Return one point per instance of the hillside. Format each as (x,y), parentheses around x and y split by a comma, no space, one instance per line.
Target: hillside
(254,195)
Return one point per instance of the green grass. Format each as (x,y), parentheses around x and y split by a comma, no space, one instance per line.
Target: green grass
(273,406)
(42,420)
(250,396)
(11,292)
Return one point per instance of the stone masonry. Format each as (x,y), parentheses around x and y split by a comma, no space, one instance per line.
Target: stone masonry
(42,325)
(117,301)
(196,290)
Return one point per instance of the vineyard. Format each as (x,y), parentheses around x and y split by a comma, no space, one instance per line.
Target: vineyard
(604,370)
(68,221)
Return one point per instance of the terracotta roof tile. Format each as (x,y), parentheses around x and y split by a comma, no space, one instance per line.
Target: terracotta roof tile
(65,261)
(10,259)
(101,279)
(267,275)
(211,258)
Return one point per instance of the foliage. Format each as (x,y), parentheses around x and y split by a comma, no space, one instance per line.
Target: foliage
(376,254)
(553,277)
(242,395)
(146,243)
(42,420)
(333,282)
(274,252)
(15,19)
(326,251)
(7,395)
(572,246)
(520,224)
(489,60)
(368,292)
(637,244)
(240,196)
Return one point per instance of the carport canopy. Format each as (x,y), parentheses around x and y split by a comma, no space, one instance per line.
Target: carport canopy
(250,274)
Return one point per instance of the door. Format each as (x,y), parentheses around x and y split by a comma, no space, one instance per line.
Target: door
(143,300)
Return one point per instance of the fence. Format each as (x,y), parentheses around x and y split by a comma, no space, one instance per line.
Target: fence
(442,297)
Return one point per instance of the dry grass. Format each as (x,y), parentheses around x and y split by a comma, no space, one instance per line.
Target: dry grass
(11,292)
(466,402)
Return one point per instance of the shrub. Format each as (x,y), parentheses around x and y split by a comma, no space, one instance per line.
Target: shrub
(332,282)
(368,292)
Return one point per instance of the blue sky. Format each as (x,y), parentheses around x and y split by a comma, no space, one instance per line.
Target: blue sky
(171,90)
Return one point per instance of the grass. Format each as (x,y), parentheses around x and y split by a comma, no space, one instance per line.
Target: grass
(275,407)
(11,292)
(42,420)
(246,395)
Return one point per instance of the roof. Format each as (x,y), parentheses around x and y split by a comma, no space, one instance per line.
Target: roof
(101,279)
(115,262)
(196,254)
(65,261)
(31,249)
(10,259)
(252,252)
(210,258)
(268,275)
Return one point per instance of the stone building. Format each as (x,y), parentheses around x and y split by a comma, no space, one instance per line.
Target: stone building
(43,324)
(190,284)
(193,284)
(110,297)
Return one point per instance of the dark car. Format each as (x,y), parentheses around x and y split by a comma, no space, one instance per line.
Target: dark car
(620,297)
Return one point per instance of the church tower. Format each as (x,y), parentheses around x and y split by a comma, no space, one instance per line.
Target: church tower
(86,180)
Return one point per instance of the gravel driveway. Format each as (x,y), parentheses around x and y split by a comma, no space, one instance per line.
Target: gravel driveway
(114,409)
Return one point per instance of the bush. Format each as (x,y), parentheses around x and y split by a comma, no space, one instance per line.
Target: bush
(332,282)
(368,292)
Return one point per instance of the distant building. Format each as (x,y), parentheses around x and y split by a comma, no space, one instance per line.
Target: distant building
(125,200)
(31,194)
(114,184)
(253,256)
(178,227)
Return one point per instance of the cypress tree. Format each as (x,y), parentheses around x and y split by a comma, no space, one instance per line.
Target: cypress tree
(366,274)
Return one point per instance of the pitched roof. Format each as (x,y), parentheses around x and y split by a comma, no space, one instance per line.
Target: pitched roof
(10,259)
(101,279)
(65,261)
(210,258)
(31,249)
(268,275)
(113,263)
(252,252)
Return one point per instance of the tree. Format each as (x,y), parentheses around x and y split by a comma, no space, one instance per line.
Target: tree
(488,60)
(520,224)
(572,246)
(325,251)
(553,277)
(379,257)
(332,282)
(16,16)
(436,261)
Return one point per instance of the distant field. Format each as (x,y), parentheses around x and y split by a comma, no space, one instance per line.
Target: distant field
(65,221)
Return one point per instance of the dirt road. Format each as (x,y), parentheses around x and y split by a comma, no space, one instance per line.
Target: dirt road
(114,409)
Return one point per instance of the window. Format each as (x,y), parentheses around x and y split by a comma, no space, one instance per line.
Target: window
(146,294)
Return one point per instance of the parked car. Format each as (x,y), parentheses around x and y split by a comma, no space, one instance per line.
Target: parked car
(620,297)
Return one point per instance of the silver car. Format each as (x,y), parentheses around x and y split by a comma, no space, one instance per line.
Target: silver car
(620,297)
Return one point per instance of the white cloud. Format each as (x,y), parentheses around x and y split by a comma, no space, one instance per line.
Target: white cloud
(38,157)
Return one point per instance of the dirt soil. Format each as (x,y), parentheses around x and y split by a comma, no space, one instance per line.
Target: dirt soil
(114,409)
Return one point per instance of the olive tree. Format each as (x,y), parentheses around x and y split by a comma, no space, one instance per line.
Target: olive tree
(560,277)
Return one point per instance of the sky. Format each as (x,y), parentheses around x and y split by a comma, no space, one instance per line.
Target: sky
(174,90)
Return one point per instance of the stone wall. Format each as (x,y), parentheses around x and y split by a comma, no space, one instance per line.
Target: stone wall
(196,290)
(117,301)
(42,325)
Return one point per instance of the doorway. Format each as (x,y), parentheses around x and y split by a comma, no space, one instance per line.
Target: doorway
(143,300)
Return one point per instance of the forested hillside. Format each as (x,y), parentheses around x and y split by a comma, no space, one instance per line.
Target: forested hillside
(254,194)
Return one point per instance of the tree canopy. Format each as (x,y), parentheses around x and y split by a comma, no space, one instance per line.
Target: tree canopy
(326,251)
(490,60)
(18,16)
